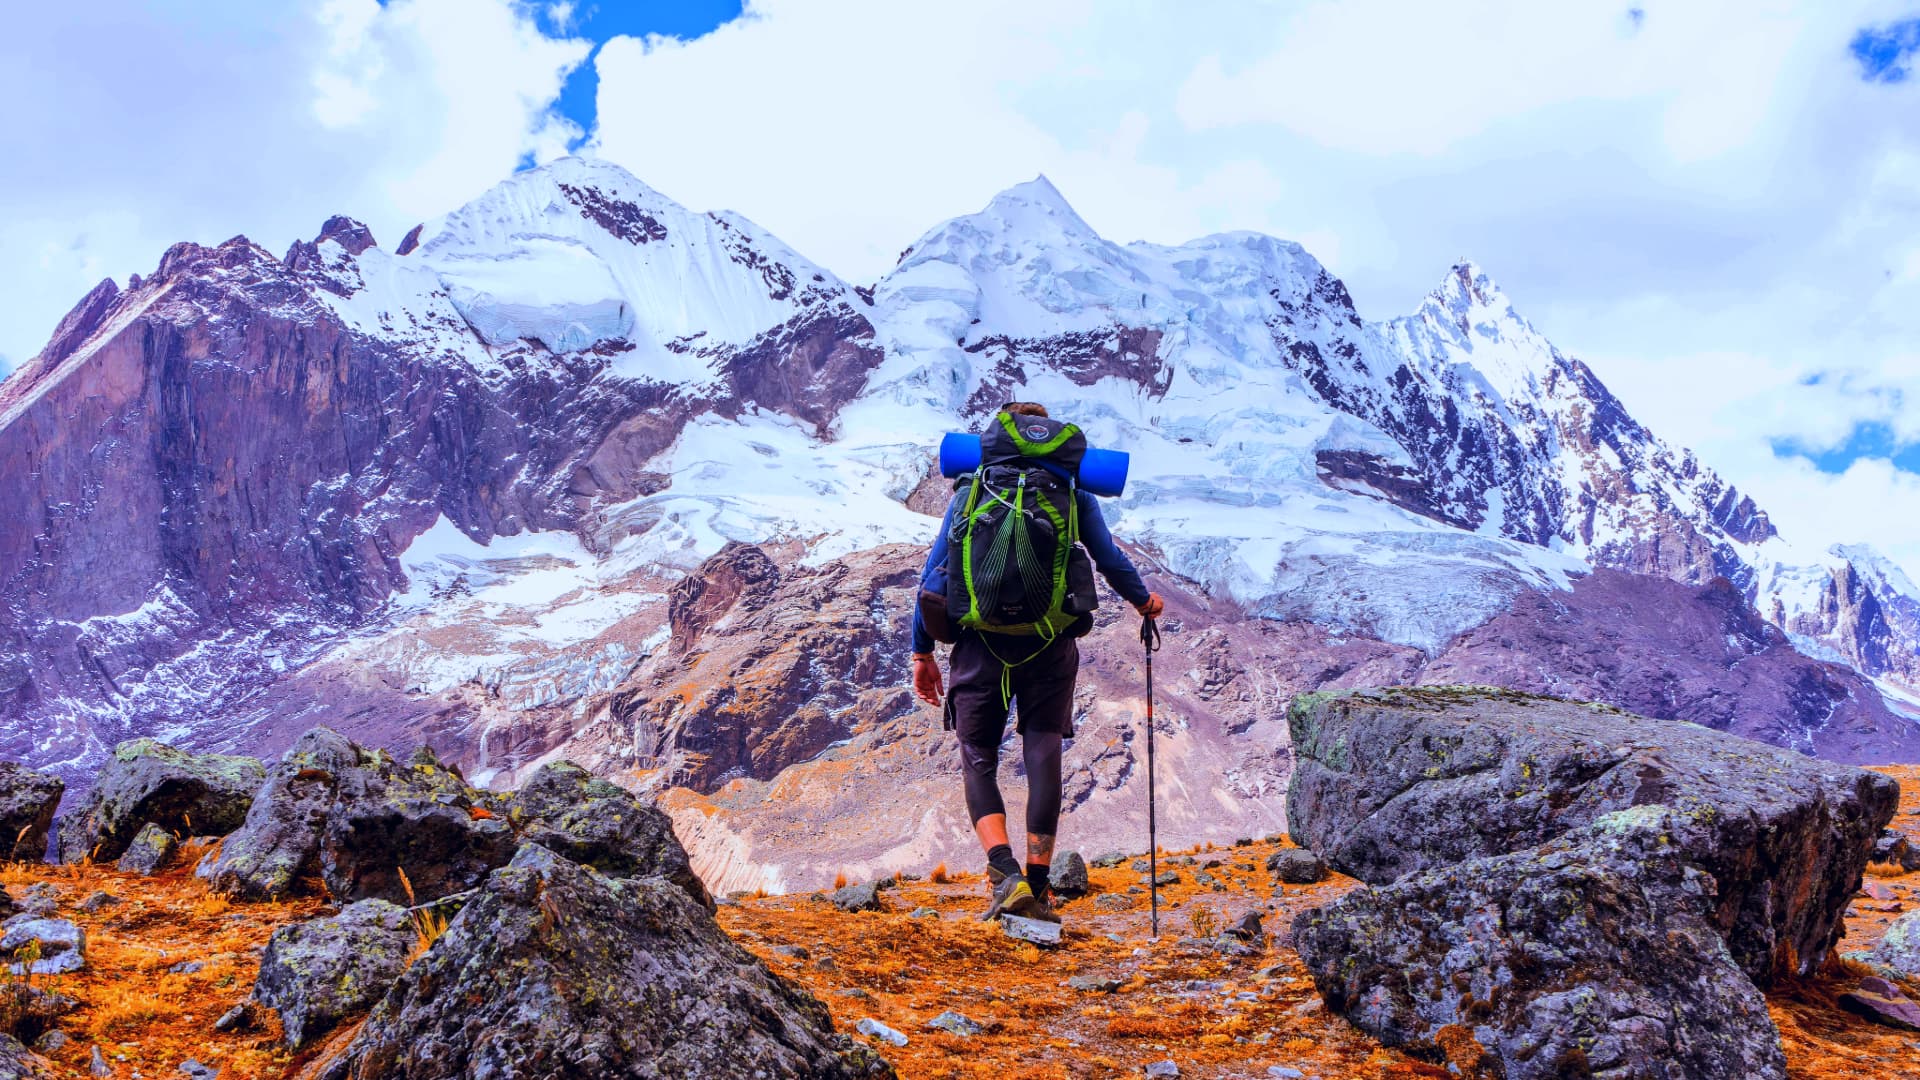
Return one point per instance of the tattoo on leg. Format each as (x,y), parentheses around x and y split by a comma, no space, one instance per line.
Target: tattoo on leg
(1040,848)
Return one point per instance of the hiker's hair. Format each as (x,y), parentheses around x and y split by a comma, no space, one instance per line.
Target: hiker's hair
(1023,408)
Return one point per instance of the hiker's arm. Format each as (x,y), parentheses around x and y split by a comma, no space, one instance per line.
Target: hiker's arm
(936,556)
(1113,563)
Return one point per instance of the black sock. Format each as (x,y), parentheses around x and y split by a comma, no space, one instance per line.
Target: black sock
(1037,877)
(1000,857)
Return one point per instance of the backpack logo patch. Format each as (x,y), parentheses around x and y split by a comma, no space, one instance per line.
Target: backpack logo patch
(1036,431)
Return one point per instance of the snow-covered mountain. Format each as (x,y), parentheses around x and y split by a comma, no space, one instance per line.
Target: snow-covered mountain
(573,467)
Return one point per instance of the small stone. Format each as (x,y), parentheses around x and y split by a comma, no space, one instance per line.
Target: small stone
(52,1042)
(854,992)
(862,897)
(1271,971)
(1031,930)
(1895,1010)
(1247,927)
(1876,891)
(925,913)
(1069,876)
(1111,858)
(1112,902)
(187,967)
(197,1071)
(792,952)
(1284,1072)
(825,963)
(1297,866)
(238,1018)
(1203,878)
(98,1067)
(955,1024)
(869,1026)
(1094,984)
(40,900)
(98,901)
(1163,1070)
(1140,866)
(1167,877)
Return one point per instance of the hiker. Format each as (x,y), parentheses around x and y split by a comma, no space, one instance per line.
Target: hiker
(1013,600)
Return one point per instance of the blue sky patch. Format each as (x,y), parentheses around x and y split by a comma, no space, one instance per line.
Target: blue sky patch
(1886,52)
(1870,439)
(601,22)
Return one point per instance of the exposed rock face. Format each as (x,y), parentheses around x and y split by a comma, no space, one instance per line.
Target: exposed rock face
(1580,889)
(1593,955)
(317,973)
(146,782)
(1394,782)
(28,800)
(280,840)
(16,1061)
(552,969)
(1658,648)
(62,945)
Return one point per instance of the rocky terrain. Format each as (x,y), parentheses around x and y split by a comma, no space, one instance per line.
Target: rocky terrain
(578,472)
(566,955)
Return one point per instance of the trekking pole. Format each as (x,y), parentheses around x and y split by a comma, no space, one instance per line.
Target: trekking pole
(1150,638)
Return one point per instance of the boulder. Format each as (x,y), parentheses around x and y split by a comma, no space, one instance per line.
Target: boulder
(567,810)
(319,972)
(152,846)
(358,818)
(1400,781)
(62,946)
(28,799)
(554,969)
(1069,876)
(1880,1001)
(149,782)
(1594,954)
(280,840)
(1297,866)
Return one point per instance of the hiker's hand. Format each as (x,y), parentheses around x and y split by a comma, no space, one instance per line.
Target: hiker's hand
(1152,608)
(926,679)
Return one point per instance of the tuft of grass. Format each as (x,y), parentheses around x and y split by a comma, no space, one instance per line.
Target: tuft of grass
(121,1014)
(428,925)
(940,875)
(1205,923)
(840,880)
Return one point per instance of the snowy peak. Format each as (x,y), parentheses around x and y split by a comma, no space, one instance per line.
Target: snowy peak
(1036,210)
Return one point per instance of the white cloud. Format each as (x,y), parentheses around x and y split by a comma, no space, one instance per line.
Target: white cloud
(199,121)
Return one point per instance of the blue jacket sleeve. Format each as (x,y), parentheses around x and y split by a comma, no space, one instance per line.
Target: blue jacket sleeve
(1113,563)
(936,565)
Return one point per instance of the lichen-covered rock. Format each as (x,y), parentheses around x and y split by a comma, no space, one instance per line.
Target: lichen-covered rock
(358,819)
(567,810)
(1593,955)
(1899,947)
(554,969)
(147,781)
(860,896)
(28,799)
(319,972)
(1392,782)
(19,1063)
(152,846)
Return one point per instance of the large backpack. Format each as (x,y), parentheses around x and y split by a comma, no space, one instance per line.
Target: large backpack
(1014,561)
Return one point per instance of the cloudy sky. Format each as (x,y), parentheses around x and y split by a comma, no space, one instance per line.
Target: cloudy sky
(1717,205)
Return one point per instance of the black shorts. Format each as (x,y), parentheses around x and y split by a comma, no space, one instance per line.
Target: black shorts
(1043,686)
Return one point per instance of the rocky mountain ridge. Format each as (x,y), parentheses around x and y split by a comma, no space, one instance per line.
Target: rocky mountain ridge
(578,470)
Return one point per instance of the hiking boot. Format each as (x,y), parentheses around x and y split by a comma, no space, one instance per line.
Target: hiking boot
(1032,906)
(1009,891)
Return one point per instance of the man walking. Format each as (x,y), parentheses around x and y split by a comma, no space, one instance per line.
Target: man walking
(1015,630)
